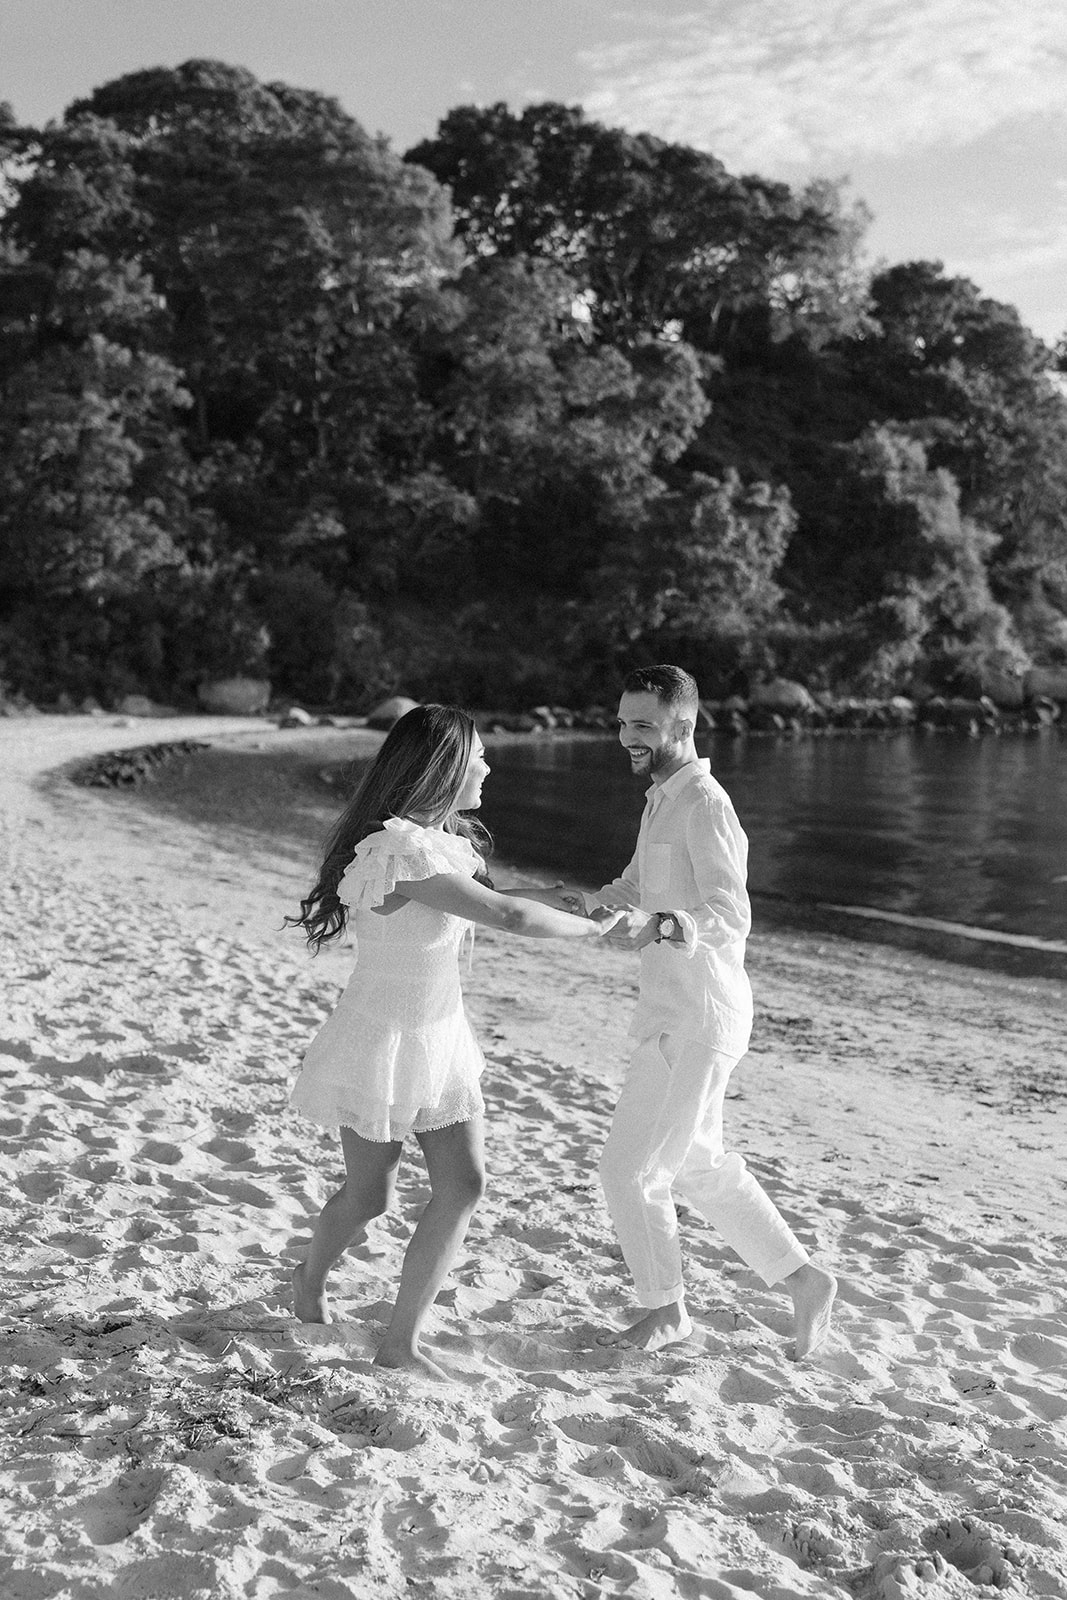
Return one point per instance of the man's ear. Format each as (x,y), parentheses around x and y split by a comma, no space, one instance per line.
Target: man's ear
(683,728)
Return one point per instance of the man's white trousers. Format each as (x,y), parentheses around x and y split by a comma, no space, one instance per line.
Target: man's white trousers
(667,1134)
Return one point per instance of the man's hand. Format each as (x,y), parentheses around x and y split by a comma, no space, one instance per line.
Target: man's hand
(634,930)
(572,900)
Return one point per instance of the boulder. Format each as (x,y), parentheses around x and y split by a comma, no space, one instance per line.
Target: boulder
(782,694)
(1046,683)
(390,711)
(902,709)
(139,705)
(296,717)
(761,719)
(849,713)
(235,697)
(968,716)
(1042,713)
(1005,689)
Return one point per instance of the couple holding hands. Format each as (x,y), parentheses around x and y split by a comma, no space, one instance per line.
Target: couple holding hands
(405,869)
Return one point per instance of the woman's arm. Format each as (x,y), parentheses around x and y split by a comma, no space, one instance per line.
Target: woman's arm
(463,897)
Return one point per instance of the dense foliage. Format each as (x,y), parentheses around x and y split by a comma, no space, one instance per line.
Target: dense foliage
(485,422)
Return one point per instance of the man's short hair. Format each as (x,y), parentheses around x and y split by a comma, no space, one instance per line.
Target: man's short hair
(673,686)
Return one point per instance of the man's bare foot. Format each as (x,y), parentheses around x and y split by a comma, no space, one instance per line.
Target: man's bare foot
(307,1305)
(656,1330)
(401,1359)
(813,1290)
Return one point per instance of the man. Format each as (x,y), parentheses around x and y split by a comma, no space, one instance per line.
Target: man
(688,914)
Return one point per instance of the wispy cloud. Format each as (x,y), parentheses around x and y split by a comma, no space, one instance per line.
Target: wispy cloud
(1023,250)
(773,85)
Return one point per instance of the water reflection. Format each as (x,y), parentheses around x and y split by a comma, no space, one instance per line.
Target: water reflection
(970,831)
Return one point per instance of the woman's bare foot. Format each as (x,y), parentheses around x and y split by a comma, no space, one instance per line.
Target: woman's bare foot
(813,1290)
(656,1330)
(413,1359)
(307,1305)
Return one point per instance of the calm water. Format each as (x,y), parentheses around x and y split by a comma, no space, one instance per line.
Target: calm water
(956,830)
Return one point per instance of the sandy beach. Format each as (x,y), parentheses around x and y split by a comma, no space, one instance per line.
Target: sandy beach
(171,1433)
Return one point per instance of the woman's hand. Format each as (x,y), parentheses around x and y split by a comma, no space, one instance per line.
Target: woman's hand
(605,918)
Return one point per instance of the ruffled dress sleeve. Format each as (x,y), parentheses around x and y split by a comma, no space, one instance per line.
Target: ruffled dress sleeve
(402,852)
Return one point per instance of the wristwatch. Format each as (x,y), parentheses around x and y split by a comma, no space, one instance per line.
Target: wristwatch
(666,926)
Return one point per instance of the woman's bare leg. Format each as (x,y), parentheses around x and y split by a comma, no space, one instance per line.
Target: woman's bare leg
(370,1178)
(456,1165)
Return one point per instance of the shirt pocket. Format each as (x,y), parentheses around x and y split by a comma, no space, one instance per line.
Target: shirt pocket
(657,869)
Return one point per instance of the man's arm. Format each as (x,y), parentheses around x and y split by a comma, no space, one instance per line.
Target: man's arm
(618,894)
(718,914)
(718,855)
(623,891)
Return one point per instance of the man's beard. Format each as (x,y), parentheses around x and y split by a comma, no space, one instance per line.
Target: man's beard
(656,762)
(663,757)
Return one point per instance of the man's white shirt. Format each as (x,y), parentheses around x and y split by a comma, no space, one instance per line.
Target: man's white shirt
(691,859)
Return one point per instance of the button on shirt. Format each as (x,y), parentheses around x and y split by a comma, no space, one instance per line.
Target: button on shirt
(692,859)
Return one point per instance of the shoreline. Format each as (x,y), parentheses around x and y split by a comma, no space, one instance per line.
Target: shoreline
(806,969)
(184,1437)
(286,751)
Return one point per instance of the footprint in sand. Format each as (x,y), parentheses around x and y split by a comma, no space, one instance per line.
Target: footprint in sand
(234,1152)
(895,1576)
(112,1514)
(809,1544)
(969,1546)
(745,1386)
(1038,1350)
(161,1152)
(240,1191)
(388,1428)
(93,1170)
(636,1442)
(958,1548)
(40,1185)
(81,1246)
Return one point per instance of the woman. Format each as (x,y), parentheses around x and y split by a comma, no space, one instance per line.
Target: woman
(404,865)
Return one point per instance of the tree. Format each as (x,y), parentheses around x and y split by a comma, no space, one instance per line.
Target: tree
(661,235)
(286,244)
(93,482)
(901,572)
(977,388)
(698,574)
(555,440)
(204,283)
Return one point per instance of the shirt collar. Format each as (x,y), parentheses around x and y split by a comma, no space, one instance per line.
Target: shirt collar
(678,780)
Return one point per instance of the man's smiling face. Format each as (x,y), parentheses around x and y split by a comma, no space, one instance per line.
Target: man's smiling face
(651,733)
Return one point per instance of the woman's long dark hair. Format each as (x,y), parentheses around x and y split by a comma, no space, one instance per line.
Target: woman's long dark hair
(418,772)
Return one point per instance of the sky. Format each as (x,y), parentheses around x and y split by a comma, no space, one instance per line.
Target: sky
(948,118)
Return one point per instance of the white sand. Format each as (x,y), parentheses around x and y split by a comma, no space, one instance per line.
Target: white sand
(170,1431)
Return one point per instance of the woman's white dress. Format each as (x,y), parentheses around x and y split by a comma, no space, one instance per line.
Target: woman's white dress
(397,1055)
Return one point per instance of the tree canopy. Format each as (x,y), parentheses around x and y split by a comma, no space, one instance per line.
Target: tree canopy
(485,421)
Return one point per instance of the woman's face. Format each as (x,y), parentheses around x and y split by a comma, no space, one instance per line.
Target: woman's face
(470,792)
